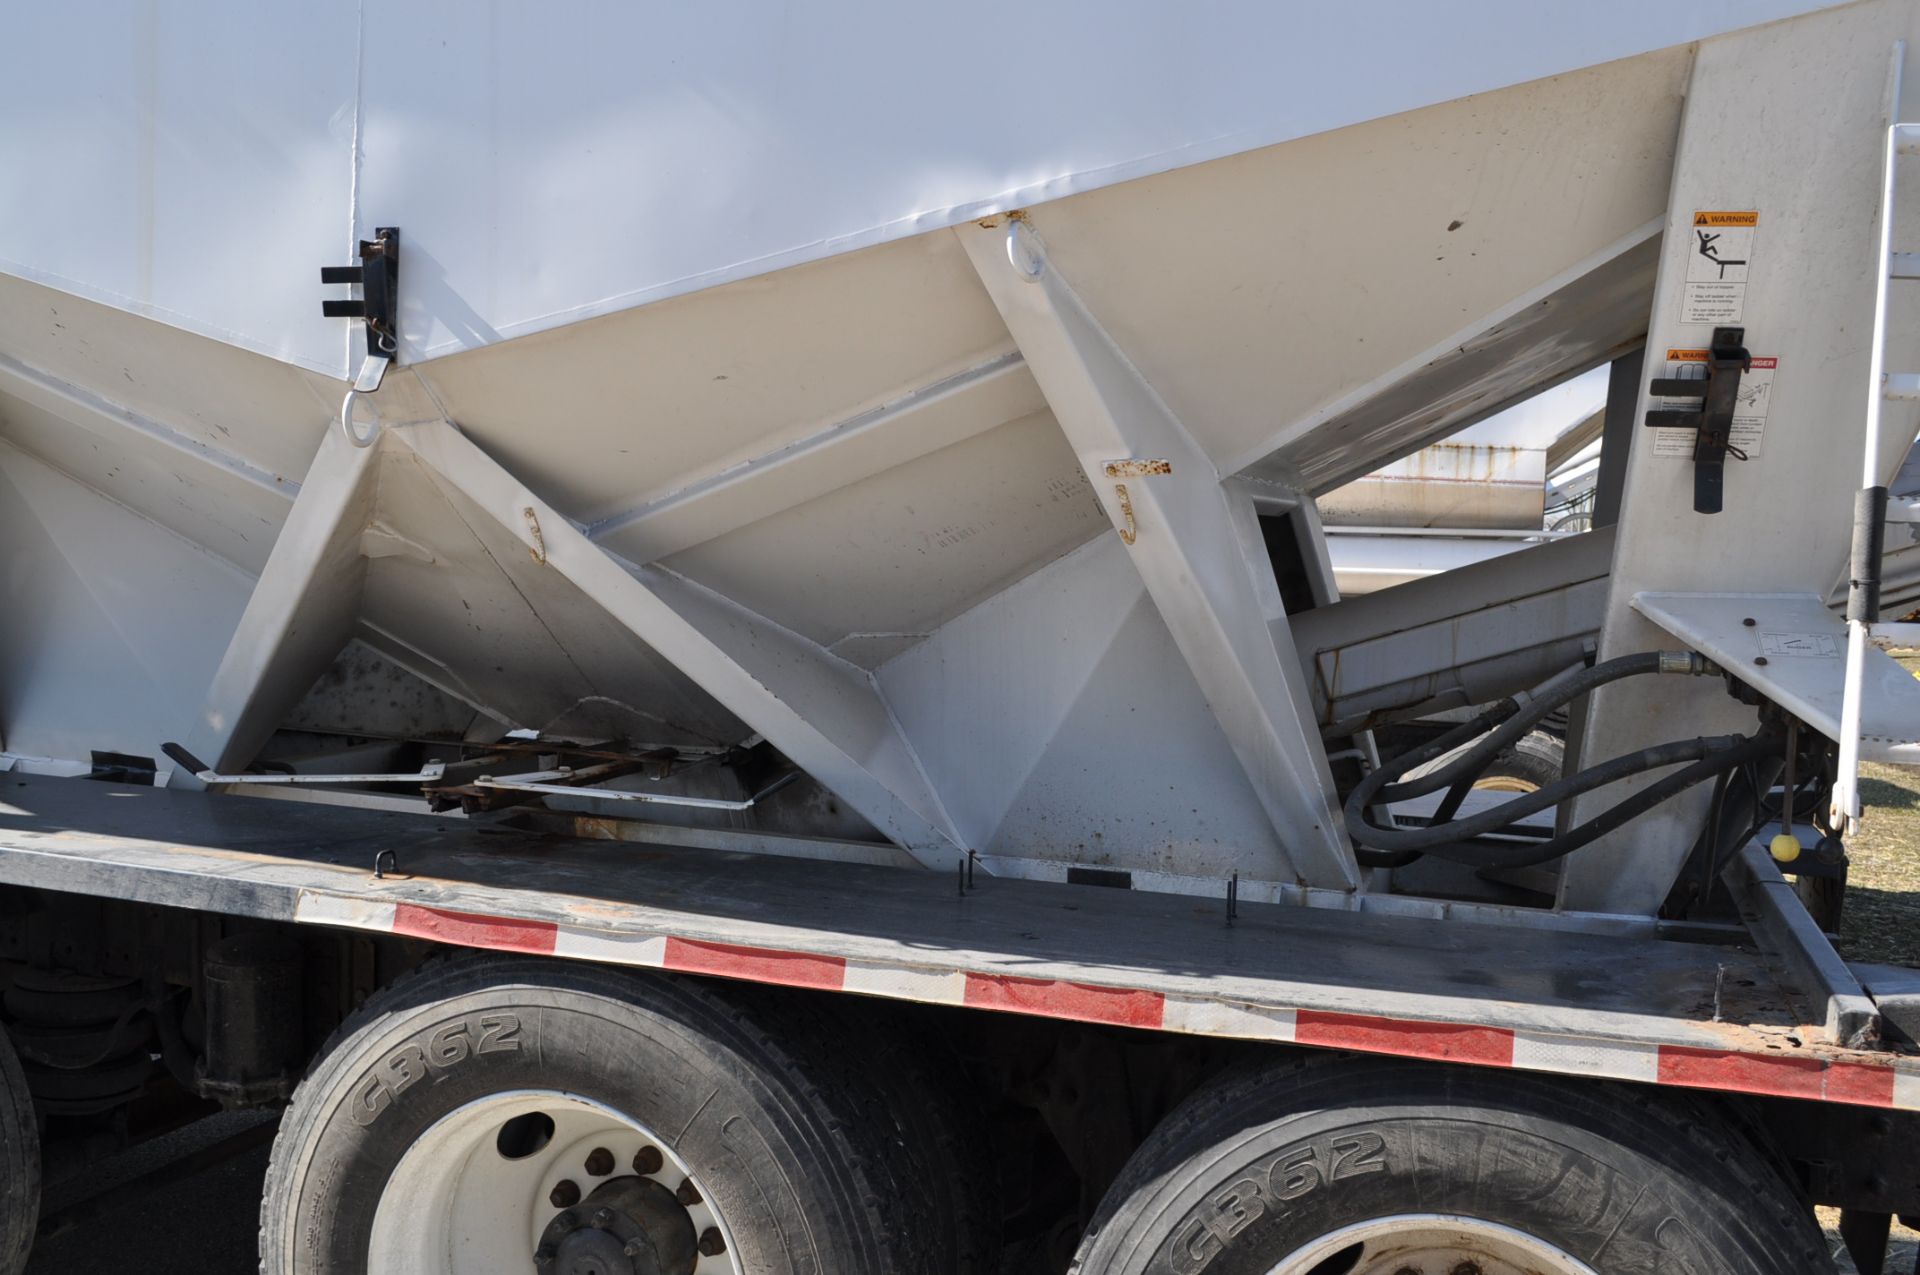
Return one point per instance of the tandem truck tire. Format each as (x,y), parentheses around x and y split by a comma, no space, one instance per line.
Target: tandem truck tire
(1345,1166)
(522,1114)
(19,1164)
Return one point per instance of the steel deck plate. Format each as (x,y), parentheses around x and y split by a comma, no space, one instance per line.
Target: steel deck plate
(1632,1008)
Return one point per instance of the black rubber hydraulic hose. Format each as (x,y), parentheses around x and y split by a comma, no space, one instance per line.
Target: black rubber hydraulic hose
(1439,747)
(1510,720)
(1494,731)
(1714,763)
(1515,721)
(1624,766)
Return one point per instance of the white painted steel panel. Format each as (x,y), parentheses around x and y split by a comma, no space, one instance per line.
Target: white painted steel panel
(1021,702)
(192,163)
(196,162)
(690,145)
(110,626)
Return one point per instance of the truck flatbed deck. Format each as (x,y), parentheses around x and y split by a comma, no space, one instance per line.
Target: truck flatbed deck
(1630,1006)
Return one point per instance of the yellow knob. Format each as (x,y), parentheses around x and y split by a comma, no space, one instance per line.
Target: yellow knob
(1785,848)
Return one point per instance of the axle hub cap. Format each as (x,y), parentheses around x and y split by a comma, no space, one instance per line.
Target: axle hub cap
(628,1226)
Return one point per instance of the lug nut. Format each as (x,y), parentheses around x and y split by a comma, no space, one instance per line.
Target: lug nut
(637,1245)
(565,1194)
(599,1162)
(544,1255)
(711,1245)
(648,1161)
(602,1219)
(688,1195)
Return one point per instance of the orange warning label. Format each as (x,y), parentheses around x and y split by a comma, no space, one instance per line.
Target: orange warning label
(1752,399)
(1726,219)
(1700,356)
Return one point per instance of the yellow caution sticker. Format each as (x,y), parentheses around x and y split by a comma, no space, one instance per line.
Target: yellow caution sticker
(1726,219)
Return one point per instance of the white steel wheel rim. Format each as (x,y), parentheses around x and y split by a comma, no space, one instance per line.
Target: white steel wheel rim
(457,1205)
(1430,1244)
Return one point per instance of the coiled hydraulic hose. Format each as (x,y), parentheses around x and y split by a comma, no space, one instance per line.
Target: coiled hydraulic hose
(1737,751)
(1451,838)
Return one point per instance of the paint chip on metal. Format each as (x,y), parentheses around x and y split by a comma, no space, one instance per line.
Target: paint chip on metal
(1445,1042)
(1081,1002)
(1777,1075)
(756,964)
(468,929)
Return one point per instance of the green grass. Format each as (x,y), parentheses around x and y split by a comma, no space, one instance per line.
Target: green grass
(1881,918)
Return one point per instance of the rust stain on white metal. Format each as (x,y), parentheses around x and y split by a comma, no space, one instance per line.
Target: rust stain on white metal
(1132,469)
(538,552)
(1130,532)
(1137,468)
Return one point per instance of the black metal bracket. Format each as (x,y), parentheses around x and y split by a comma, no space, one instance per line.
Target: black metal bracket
(378,276)
(184,759)
(1727,358)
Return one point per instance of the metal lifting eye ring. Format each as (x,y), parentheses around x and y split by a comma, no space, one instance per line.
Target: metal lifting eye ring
(1030,265)
(346,420)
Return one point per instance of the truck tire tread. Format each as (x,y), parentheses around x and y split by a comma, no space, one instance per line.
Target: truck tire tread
(847,1170)
(1634,1137)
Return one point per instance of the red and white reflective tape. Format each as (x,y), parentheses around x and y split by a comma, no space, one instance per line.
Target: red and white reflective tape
(1771,1074)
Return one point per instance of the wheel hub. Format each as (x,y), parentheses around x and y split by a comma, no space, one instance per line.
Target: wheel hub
(550,1183)
(1430,1244)
(627,1226)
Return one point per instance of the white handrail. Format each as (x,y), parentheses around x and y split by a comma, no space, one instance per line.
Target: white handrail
(1844,806)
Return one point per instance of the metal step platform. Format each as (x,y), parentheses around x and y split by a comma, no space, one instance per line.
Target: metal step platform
(1793,650)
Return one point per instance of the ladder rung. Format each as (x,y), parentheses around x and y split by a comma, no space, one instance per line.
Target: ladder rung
(1901,385)
(1885,636)
(1904,265)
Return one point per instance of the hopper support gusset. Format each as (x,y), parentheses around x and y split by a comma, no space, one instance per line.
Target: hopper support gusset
(1194,539)
(822,712)
(304,609)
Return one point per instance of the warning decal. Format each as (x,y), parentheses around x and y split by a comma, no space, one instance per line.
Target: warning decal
(1719,254)
(1751,403)
(1818,646)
